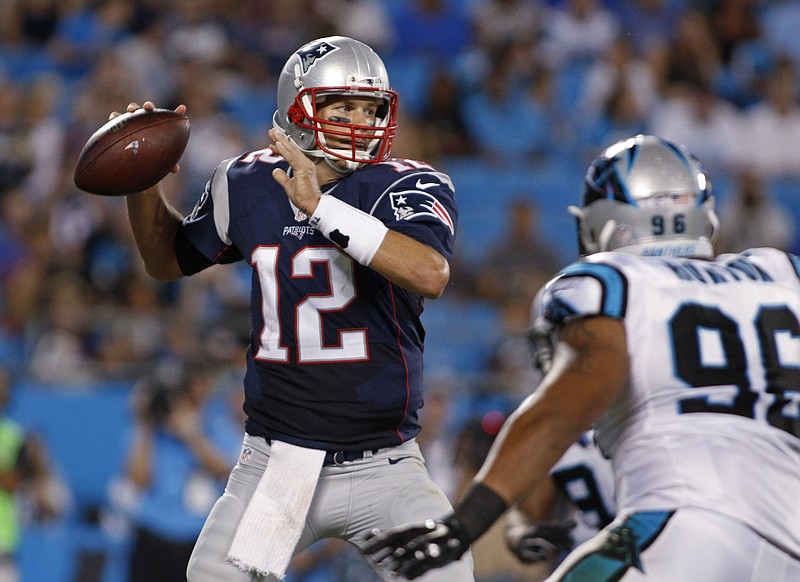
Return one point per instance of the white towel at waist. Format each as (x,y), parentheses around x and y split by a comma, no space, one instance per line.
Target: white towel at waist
(274,519)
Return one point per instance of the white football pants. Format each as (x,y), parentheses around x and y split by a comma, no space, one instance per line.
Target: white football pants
(389,488)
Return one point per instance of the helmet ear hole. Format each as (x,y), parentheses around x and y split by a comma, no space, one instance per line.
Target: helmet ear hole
(295,113)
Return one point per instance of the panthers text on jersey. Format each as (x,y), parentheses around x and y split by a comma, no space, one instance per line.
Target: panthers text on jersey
(709,417)
(335,357)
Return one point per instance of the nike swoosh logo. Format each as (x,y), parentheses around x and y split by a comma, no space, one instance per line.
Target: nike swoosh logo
(425,185)
(397,460)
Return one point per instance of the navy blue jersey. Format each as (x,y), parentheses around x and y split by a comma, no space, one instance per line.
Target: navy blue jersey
(335,355)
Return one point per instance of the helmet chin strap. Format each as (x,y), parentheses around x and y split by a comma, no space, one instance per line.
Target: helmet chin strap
(341,166)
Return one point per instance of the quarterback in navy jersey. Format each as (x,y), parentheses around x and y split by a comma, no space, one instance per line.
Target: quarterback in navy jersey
(335,358)
(345,243)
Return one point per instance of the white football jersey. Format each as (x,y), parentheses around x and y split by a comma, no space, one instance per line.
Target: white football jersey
(586,479)
(711,413)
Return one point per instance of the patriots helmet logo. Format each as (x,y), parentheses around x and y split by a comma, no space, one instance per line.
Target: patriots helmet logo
(410,204)
(317,51)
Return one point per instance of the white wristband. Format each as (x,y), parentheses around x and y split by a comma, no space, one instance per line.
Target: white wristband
(356,232)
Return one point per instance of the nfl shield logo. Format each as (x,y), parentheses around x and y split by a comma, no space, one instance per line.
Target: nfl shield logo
(247,454)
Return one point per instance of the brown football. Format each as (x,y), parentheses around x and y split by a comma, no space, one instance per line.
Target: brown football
(132,152)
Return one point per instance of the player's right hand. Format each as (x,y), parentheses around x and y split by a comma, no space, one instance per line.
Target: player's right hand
(302,187)
(542,542)
(412,550)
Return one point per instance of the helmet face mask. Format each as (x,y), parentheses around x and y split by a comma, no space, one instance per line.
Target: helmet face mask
(330,70)
(647,196)
(376,137)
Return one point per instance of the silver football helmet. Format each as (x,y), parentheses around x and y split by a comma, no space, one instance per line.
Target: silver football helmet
(336,66)
(647,196)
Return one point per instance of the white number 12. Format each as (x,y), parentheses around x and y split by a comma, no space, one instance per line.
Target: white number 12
(308,313)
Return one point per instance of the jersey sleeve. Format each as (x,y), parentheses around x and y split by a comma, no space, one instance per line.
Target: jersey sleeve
(422,205)
(582,289)
(202,239)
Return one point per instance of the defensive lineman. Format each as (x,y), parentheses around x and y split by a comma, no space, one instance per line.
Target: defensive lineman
(688,368)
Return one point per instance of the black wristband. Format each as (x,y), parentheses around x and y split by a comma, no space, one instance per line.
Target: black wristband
(478,510)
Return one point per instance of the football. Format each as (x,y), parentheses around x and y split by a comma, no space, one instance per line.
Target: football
(132,152)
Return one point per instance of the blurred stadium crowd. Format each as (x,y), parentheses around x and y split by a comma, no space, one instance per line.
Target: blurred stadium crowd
(512,98)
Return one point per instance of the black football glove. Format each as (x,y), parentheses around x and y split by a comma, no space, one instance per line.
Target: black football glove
(541,542)
(412,550)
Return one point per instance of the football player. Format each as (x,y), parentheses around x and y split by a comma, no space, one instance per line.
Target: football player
(345,243)
(687,366)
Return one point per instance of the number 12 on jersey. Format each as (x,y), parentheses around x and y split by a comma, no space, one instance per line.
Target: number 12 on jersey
(309,311)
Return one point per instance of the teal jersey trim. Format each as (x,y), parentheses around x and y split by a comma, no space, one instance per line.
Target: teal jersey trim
(795,263)
(621,550)
(614,283)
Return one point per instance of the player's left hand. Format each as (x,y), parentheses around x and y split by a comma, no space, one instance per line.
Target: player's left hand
(542,542)
(412,550)
(150,106)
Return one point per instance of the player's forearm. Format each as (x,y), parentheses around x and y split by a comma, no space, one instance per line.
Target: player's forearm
(412,265)
(588,371)
(519,461)
(539,504)
(399,258)
(531,442)
(154,224)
